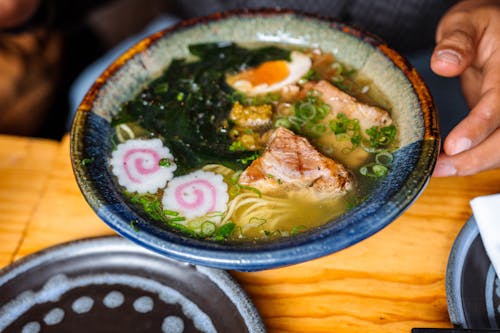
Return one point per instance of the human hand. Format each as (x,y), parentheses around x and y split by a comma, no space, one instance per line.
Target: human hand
(468,44)
(15,12)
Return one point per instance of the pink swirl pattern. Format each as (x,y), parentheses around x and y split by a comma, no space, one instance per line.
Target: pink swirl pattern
(200,196)
(136,164)
(145,161)
(196,194)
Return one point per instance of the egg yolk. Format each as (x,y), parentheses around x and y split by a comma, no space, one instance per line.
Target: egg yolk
(269,72)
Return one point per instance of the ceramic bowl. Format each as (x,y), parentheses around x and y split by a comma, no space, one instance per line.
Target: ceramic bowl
(472,285)
(413,111)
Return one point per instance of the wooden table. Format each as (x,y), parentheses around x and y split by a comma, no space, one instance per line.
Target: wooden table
(391,282)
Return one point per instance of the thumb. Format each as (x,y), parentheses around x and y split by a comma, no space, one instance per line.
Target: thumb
(456,46)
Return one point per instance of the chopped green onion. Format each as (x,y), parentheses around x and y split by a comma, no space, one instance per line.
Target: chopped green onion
(338,67)
(349,71)
(352,201)
(207,228)
(310,75)
(380,170)
(87,161)
(343,137)
(384,158)
(170,212)
(273,233)
(257,221)
(323,110)
(215,214)
(225,230)
(246,160)
(133,225)
(235,177)
(307,116)
(338,78)
(162,88)
(306,111)
(165,162)
(234,190)
(124,132)
(177,219)
(241,233)
(298,228)
(296,121)
(374,170)
(237,146)
(381,136)
(151,205)
(283,122)
(346,129)
(182,228)
(253,189)
(317,130)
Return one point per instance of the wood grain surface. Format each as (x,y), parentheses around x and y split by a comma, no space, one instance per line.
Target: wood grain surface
(390,282)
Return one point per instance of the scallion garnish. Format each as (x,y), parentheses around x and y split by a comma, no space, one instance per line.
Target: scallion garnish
(297,228)
(237,146)
(384,158)
(164,162)
(207,228)
(86,161)
(380,137)
(224,231)
(346,129)
(374,170)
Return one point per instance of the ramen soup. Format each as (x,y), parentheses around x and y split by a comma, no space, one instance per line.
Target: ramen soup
(246,142)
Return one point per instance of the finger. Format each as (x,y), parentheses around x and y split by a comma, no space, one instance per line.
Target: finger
(471,81)
(483,120)
(457,40)
(483,157)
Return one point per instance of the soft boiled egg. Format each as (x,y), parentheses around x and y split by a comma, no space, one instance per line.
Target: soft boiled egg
(271,75)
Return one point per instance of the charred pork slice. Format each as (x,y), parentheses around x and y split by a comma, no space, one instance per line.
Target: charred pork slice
(291,163)
(342,102)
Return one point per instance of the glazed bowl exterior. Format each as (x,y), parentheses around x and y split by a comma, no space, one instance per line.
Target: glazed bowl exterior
(413,111)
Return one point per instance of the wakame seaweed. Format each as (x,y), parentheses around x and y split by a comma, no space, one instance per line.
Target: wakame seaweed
(188,105)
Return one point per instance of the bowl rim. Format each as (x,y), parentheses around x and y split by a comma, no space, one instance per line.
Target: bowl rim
(323,240)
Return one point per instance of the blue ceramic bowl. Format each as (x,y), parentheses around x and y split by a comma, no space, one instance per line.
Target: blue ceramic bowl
(413,111)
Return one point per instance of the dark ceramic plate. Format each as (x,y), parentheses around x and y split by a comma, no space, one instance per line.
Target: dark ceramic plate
(111,285)
(472,287)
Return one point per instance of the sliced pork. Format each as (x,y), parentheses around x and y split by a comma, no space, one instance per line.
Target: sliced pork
(290,163)
(342,102)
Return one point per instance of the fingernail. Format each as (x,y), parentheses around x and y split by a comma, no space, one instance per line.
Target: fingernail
(448,56)
(460,145)
(444,169)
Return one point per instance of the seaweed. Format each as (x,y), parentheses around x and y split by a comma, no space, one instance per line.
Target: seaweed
(188,105)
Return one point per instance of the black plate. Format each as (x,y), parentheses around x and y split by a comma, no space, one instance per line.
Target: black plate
(108,284)
(472,287)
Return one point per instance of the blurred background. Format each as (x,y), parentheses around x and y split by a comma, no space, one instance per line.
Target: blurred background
(45,72)
(38,66)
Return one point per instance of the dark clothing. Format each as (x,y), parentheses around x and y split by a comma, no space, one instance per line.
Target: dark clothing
(407,25)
